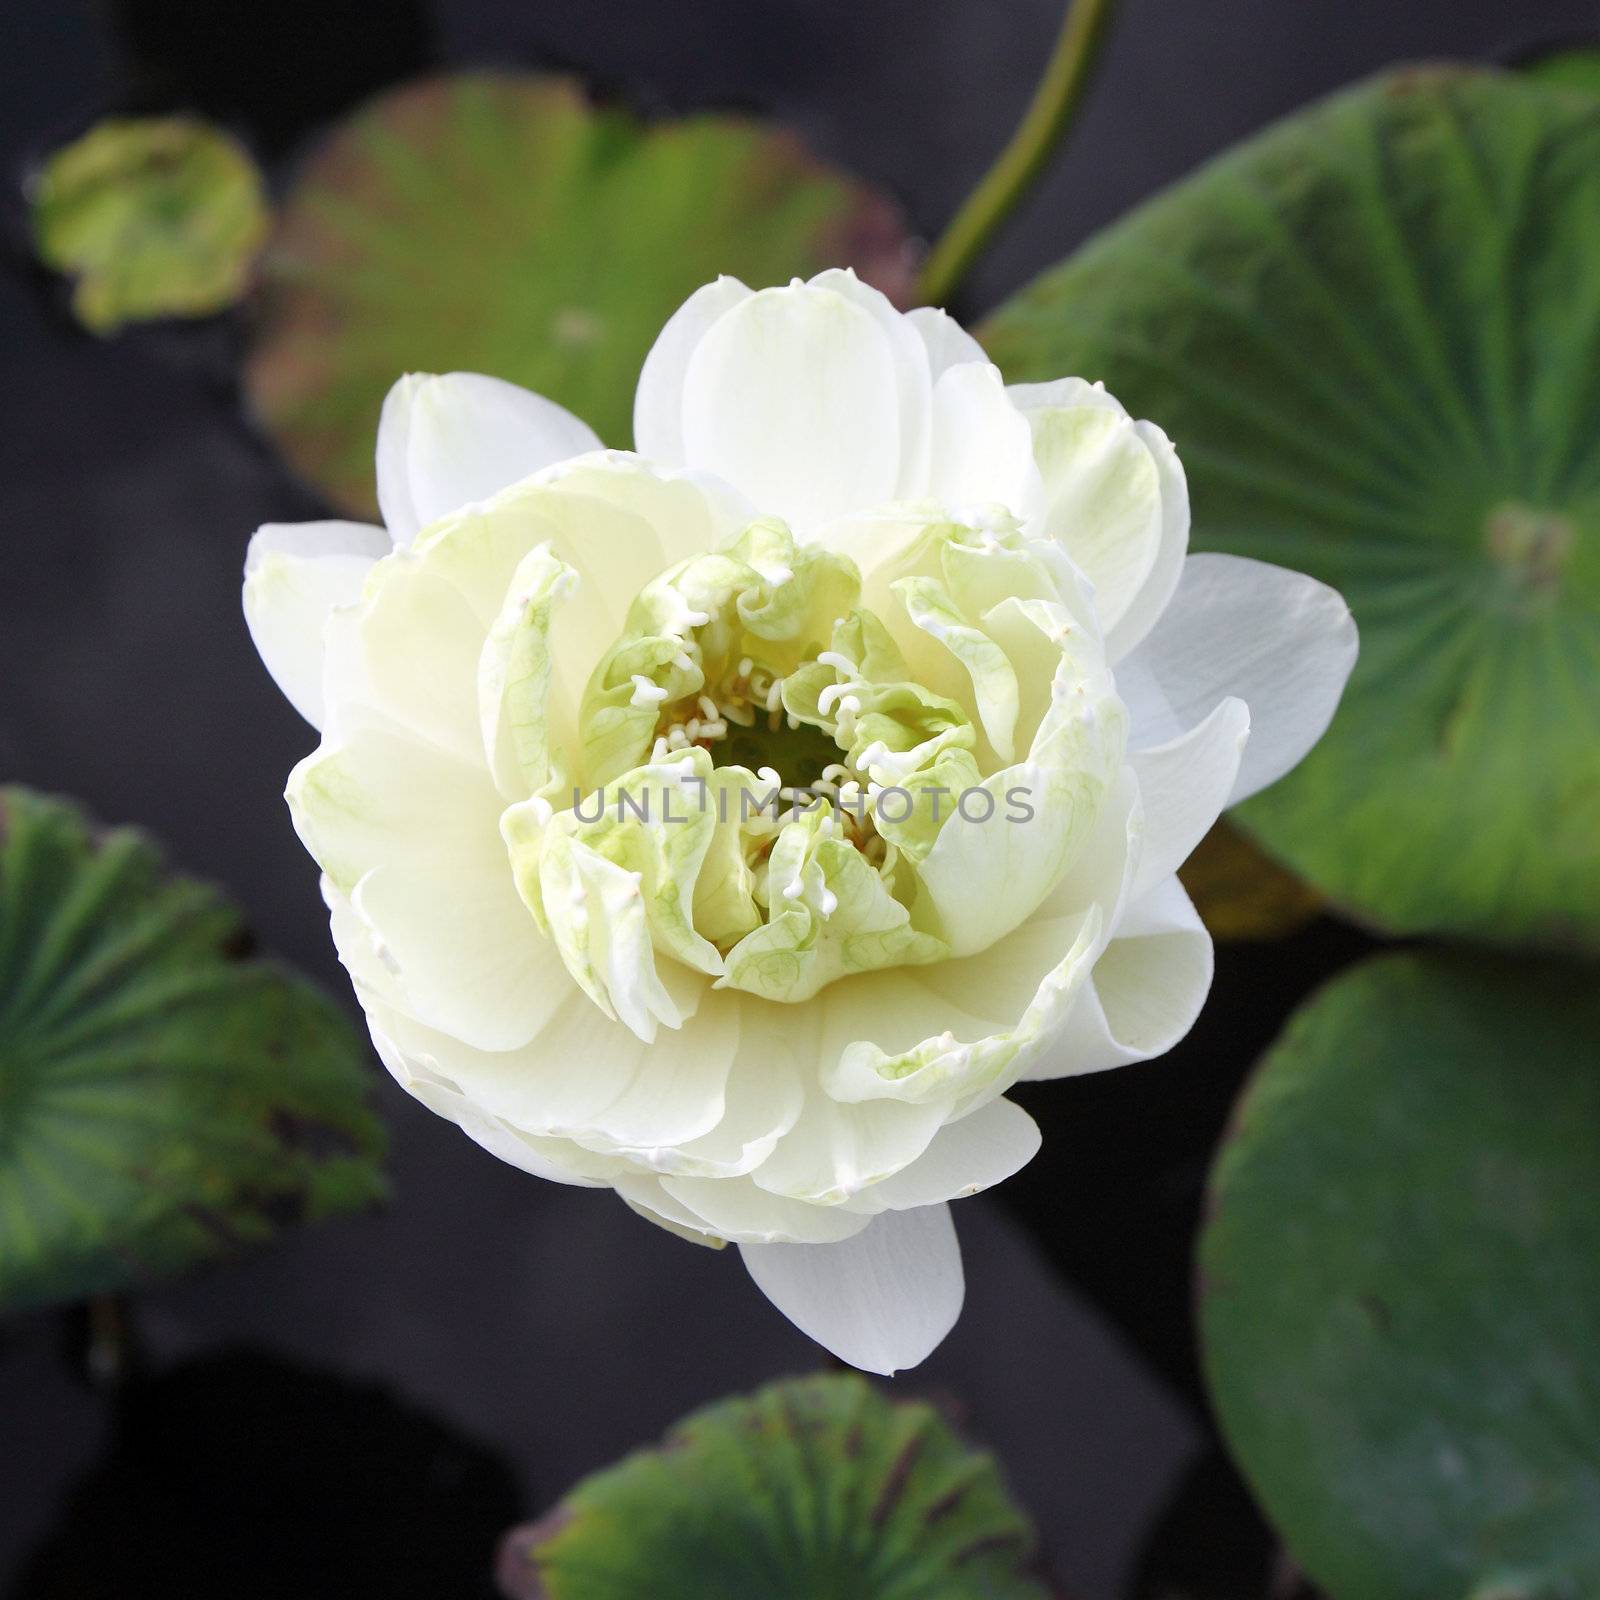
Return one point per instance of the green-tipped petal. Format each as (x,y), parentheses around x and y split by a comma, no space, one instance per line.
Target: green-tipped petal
(994,681)
(831,915)
(1116,499)
(614,884)
(514,676)
(982,880)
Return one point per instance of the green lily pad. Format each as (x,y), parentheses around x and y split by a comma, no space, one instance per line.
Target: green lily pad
(162,1101)
(502,224)
(810,1487)
(153,216)
(1374,334)
(1400,1282)
(1574,68)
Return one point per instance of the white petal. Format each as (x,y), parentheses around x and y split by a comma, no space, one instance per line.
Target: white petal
(610,516)
(409,650)
(1281,641)
(982,445)
(1184,784)
(984,878)
(294,575)
(736,1210)
(913,367)
(981,879)
(1146,990)
(1166,569)
(977,1152)
(794,397)
(880,1301)
(835,1149)
(629,1103)
(1030,397)
(445,442)
(643,1194)
(1027,984)
(552,1159)
(762,1102)
(1116,498)
(412,836)
(658,401)
(360,956)
(949,344)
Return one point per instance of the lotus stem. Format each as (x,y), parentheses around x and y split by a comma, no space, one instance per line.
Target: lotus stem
(1050,113)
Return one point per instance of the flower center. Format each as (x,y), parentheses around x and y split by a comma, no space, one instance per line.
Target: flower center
(780,787)
(741,722)
(1531,548)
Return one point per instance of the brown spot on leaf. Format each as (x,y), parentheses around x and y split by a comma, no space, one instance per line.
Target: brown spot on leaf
(1377,1310)
(944,1505)
(895,1484)
(991,1543)
(516,1562)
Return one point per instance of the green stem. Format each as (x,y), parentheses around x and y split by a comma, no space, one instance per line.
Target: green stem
(1048,116)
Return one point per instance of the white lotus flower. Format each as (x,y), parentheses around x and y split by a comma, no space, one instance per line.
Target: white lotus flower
(555,699)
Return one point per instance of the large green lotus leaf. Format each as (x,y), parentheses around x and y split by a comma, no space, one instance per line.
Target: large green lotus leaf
(153,216)
(162,1100)
(1373,333)
(502,224)
(1574,68)
(1400,1282)
(811,1487)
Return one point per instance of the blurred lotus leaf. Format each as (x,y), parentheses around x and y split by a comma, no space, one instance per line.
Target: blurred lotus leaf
(1577,67)
(162,1100)
(1374,334)
(810,1487)
(153,216)
(1400,1282)
(1242,893)
(503,224)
